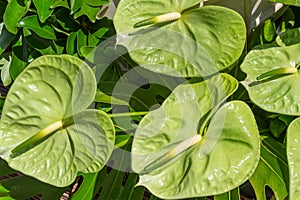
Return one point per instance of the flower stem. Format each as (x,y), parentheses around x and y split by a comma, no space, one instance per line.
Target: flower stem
(127,114)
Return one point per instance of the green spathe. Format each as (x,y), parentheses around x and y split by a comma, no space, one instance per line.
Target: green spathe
(278,89)
(178,38)
(46,130)
(178,154)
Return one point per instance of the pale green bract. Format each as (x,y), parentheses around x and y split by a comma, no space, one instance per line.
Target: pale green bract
(278,93)
(292,151)
(172,158)
(55,90)
(201,42)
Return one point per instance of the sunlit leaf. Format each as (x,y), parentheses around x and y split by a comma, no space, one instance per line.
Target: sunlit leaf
(277,92)
(192,45)
(175,162)
(46,130)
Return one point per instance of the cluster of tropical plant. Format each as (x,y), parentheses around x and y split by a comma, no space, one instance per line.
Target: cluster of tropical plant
(185,99)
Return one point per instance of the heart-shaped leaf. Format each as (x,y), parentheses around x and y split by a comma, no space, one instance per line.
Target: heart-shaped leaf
(46,130)
(273,79)
(292,149)
(174,161)
(184,40)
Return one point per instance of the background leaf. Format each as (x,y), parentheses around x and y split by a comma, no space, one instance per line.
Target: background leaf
(14,11)
(86,188)
(5,38)
(271,171)
(288,2)
(43,9)
(230,195)
(88,8)
(19,60)
(42,30)
(254,12)
(289,37)
(278,93)
(115,182)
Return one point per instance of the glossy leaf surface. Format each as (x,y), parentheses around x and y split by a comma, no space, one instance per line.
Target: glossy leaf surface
(293,149)
(53,90)
(193,45)
(225,157)
(279,92)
